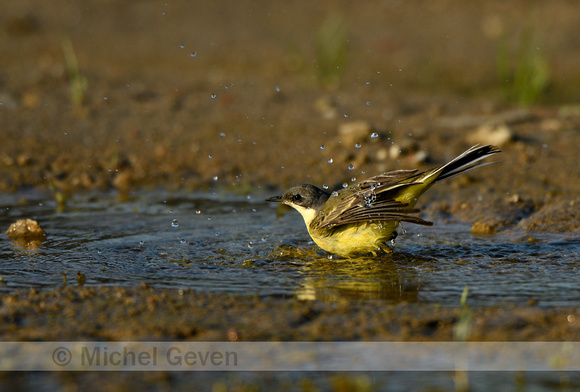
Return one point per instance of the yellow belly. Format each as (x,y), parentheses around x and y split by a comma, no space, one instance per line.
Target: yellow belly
(355,239)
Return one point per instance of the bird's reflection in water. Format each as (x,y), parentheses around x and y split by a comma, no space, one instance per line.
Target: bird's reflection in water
(394,279)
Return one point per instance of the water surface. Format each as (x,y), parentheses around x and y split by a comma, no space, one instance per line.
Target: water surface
(240,244)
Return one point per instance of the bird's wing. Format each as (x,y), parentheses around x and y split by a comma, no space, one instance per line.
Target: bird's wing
(375,204)
(382,212)
(390,178)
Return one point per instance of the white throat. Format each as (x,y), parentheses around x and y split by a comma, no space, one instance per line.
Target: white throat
(307,213)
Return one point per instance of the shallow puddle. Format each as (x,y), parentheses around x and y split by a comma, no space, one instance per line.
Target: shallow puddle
(238,244)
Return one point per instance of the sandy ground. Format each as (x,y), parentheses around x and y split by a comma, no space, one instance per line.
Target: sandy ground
(129,95)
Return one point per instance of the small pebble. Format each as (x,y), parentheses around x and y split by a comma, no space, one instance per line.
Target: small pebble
(498,135)
(26,229)
(354,132)
(482,228)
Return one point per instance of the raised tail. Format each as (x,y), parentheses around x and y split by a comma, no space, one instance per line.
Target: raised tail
(469,160)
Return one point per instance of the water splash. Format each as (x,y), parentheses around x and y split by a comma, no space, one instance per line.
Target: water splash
(368,198)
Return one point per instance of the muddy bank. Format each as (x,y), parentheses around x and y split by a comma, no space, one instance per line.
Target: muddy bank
(102,313)
(193,96)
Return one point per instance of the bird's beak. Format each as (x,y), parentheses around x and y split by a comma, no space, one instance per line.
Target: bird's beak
(276,199)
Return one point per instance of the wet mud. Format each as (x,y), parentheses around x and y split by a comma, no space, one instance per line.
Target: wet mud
(146,313)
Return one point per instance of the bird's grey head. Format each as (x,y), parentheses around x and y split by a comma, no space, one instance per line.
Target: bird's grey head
(306,199)
(306,196)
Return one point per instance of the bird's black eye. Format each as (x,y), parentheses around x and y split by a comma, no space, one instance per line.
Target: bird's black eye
(297,197)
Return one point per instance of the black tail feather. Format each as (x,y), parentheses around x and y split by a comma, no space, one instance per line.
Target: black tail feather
(469,160)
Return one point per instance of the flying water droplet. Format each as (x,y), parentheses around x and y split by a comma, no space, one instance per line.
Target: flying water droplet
(350,166)
(174,223)
(198,212)
(374,135)
(357,145)
(193,54)
(344,185)
(335,193)
(330,160)
(212,96)
(324,186)
(322,147)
